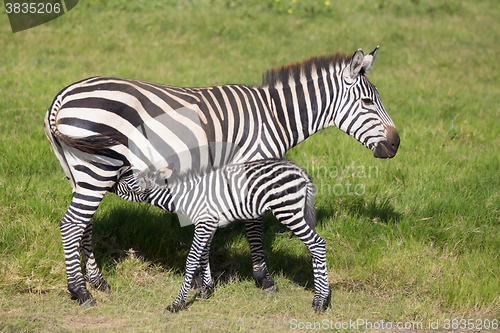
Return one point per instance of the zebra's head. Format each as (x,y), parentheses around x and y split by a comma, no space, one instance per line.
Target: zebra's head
(362,114)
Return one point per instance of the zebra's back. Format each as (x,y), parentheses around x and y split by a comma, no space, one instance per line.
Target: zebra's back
(143,125)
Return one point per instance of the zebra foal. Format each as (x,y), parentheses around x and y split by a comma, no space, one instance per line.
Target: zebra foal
(240,192)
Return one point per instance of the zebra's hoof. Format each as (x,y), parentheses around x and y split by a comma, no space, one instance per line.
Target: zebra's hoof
(173,308)
(88,303)
(320,303)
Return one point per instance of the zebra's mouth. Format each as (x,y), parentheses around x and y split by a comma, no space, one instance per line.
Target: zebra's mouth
(389,147)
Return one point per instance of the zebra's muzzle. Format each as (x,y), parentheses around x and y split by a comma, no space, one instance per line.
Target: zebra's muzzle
(389,147)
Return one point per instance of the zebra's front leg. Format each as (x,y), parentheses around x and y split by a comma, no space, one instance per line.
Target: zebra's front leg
(260,273)
(202,235)
(94,274)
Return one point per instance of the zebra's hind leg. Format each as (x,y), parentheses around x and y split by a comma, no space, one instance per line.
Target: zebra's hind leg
(94,274)
(203,233)
(260,273)
(72,226)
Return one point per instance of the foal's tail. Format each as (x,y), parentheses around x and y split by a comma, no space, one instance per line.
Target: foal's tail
(309,210)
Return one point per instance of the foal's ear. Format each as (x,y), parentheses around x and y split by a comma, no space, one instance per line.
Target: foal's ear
(361,64)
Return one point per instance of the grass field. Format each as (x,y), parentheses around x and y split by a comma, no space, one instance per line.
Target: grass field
(415,239)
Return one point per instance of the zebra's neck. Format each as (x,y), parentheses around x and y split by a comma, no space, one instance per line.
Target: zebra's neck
(303,98)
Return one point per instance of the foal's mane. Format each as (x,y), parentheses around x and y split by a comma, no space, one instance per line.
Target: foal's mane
(274,76)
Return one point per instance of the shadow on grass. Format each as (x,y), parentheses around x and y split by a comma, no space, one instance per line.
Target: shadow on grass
(357,206)
(157,237)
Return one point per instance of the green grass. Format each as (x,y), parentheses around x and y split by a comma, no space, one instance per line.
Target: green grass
(418,241)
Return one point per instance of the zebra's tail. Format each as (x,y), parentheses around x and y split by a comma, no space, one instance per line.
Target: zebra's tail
(54,137)
(92,144)
(310,210)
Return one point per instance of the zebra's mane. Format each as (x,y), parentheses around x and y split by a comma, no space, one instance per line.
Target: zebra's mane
(274,76)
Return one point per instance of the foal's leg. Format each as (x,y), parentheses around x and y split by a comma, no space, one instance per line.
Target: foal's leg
(317,248)
(292,216)
(203,233)
(260,273)
(204,265)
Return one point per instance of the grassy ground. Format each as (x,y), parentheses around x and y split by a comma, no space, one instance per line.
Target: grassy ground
(412,239)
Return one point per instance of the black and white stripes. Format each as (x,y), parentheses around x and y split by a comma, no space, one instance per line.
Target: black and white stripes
(244,192)
(108,133)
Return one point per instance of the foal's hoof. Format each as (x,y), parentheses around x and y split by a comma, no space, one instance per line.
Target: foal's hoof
(88,303)
(84,297)
(173,308)
(271,290)
(205,292)
(104,287)
(320,303)
(269,286)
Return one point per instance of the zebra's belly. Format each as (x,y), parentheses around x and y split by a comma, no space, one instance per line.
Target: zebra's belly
(227,217)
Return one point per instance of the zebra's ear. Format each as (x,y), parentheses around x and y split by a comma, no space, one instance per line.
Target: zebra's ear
(356,63)
(368,61)
(361,64)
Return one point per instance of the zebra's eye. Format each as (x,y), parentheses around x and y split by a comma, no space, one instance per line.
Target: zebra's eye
(367,101)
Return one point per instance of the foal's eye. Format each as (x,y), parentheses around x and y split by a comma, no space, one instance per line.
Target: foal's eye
(367,101)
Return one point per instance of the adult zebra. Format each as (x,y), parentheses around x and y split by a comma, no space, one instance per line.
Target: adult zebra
(104,129)
(237,192)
